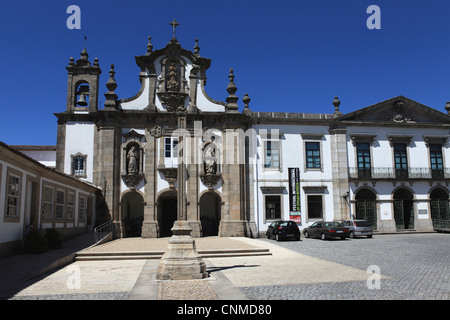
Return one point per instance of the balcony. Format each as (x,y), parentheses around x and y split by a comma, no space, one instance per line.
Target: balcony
(378,173)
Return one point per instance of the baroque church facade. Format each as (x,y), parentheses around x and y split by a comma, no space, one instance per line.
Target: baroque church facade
(237,171)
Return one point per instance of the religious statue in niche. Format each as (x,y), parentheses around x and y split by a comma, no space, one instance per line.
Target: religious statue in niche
(133,160)
(210,174)
(210,157)
(173,83)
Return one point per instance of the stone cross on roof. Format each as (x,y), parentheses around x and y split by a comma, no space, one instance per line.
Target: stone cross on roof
(174,24)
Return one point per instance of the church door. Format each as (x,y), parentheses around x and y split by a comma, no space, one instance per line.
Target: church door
(167,213)
(210,214)
(132,214)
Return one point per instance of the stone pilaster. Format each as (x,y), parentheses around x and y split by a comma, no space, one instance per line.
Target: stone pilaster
(339,171)
(61,147)
(232,223)
(108,171)
(150,224)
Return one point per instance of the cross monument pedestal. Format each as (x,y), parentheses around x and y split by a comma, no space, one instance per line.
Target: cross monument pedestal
(181,261)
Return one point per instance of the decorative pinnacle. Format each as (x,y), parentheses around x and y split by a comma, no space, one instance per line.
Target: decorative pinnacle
(149,46)
(111,84)
(447,107)
(196,48)
(336,104)
(246,100)
(111,97)
(231,86)
(231,99)
(84,55)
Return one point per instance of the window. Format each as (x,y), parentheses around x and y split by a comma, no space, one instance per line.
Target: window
(79,166)
(170,147)
(70,205)
(47,202)
(401,160)
(12,202)
(437,169)
(273,207)
(313,155)
(60,197)
(363,158)
(272,154)
(170,151)
(82,208)
(315,206)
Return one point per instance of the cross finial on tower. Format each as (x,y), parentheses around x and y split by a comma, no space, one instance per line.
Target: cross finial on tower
(174,24)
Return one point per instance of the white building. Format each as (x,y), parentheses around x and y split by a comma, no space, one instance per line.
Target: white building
(31,193)
(243,169)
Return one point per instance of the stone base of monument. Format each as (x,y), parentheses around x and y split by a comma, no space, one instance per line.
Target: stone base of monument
(181,260)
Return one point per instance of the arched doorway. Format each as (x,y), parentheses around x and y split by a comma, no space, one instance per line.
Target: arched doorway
(439,205)
(167,212)
(132,214)
(403,209)
(366,207)
(210,213)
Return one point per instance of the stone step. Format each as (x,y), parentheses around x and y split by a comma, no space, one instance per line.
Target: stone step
(130,255)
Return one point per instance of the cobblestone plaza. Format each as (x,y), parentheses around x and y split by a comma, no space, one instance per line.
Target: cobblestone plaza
(412,266)
(417,267)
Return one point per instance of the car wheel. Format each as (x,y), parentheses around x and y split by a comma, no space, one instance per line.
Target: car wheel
(352,235)
(369,236)
(306,234)
(323,236)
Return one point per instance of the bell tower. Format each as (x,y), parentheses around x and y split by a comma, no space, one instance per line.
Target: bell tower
(82,87)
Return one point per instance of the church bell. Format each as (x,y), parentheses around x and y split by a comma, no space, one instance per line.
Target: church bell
(82,100)
(83,92)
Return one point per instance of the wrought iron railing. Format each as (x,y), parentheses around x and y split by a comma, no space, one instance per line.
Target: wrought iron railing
(103,230)
(393,173)
(440,224)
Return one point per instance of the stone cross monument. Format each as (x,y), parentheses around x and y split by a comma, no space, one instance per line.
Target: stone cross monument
(181,261)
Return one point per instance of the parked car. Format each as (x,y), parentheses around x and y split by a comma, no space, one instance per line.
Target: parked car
(359,228)
(283,230)
(325,230)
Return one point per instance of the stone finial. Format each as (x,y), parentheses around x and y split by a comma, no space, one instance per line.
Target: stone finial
(111,97)
(71,61)
(196,47)
(246,99)
(84,55)
(447,107)
(231,99)
(149,46)
(336,104)
(95,62)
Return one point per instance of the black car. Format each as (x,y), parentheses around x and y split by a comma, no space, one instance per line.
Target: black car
(325,230)
(279,230)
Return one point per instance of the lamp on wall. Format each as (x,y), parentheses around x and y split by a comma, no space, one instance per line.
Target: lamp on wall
(345,196)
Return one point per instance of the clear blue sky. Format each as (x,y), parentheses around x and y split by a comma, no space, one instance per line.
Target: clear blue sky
(288,55)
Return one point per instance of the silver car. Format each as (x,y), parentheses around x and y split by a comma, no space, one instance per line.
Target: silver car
(359,228)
